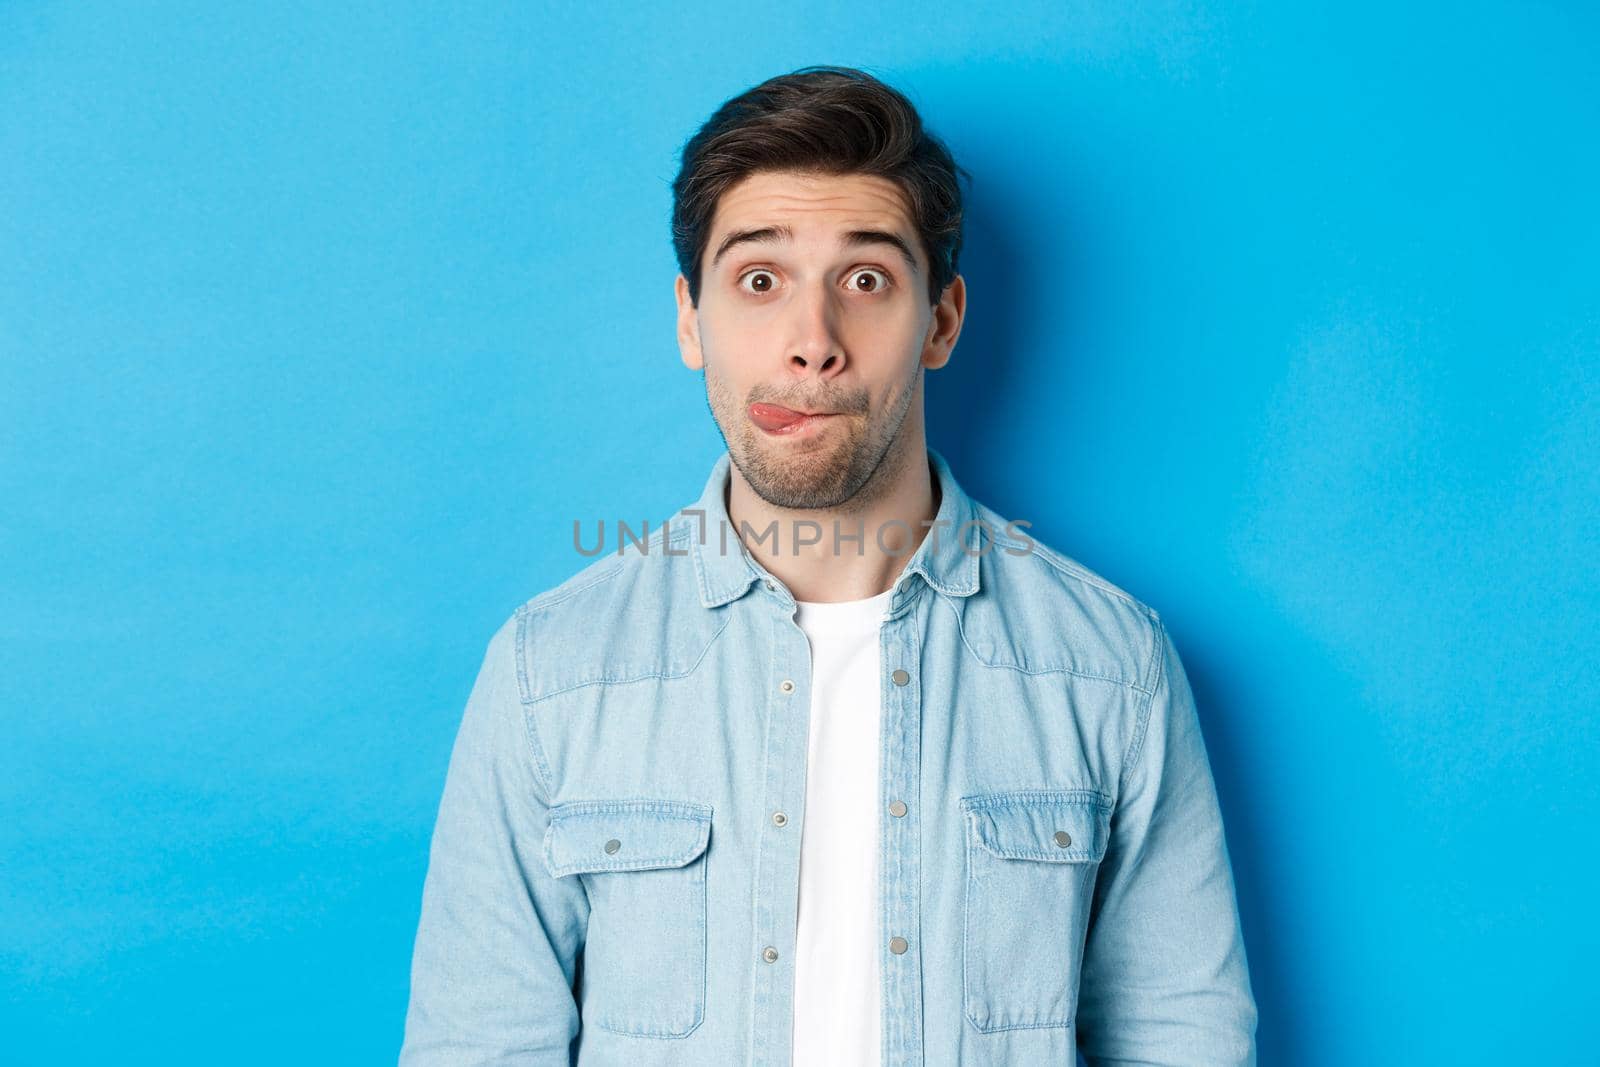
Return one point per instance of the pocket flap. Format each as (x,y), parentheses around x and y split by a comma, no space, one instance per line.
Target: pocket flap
(1061,826)
(624,835)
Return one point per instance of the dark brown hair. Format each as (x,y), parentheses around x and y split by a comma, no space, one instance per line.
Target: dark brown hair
(820,119)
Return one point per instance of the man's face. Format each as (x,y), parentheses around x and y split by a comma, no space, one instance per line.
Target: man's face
(807,303)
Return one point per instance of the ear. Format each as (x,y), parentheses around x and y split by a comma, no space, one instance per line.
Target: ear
(688,327)
(948,314)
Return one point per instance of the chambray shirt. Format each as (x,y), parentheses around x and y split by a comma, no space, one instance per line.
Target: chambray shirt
(613,874)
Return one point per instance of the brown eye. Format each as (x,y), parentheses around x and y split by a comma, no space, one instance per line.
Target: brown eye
(760,281)
(876,280)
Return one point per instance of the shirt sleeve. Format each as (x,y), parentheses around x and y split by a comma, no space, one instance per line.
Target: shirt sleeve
(1164,977)
(496,946)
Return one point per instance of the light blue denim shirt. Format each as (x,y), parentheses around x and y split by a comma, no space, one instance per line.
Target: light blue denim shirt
(613,876)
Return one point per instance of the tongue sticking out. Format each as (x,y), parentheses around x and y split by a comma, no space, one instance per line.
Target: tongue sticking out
(774,416)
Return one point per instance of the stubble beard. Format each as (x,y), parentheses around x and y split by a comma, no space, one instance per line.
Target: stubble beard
(832,471)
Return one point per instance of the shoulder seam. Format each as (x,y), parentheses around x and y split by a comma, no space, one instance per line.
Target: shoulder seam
(551,597)
(1047,554)
(1075,571)
(530,728)
(1157,674)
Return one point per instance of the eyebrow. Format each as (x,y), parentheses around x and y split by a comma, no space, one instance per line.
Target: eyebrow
(849,239)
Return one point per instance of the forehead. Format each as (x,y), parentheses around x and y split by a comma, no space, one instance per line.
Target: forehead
(814,203)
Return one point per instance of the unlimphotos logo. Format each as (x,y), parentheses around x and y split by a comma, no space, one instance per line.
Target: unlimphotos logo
(806,533)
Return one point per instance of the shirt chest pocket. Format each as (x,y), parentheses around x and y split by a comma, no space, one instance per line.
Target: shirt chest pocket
(1031,862)
(643,866)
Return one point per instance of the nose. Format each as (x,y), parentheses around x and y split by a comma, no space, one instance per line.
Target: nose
(814,346)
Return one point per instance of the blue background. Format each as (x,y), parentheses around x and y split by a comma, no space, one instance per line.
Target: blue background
(318,329)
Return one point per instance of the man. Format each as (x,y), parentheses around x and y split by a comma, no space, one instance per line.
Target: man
(840,767)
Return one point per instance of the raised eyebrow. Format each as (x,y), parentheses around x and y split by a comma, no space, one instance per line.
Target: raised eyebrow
(763,235)
(851,239)
(858,238)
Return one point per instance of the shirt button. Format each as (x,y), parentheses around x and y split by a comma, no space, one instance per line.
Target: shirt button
(769,953)
(613,845)
(786,685)
(897,809)
(897,945)
(1063,838)
(780,819)
(900,677)
(769,585)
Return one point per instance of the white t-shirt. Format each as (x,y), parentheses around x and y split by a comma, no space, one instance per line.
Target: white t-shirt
(838,948)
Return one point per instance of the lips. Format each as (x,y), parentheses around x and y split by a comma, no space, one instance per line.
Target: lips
(775,418)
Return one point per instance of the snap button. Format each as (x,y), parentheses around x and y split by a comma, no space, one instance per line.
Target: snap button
(786,685)
(900,677)
(897,809)
(613,845)
(780,819)
(897,945)
(769,953)
(1063,838)
(769,585)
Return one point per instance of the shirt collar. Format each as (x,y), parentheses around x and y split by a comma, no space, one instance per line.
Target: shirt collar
(947,559)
